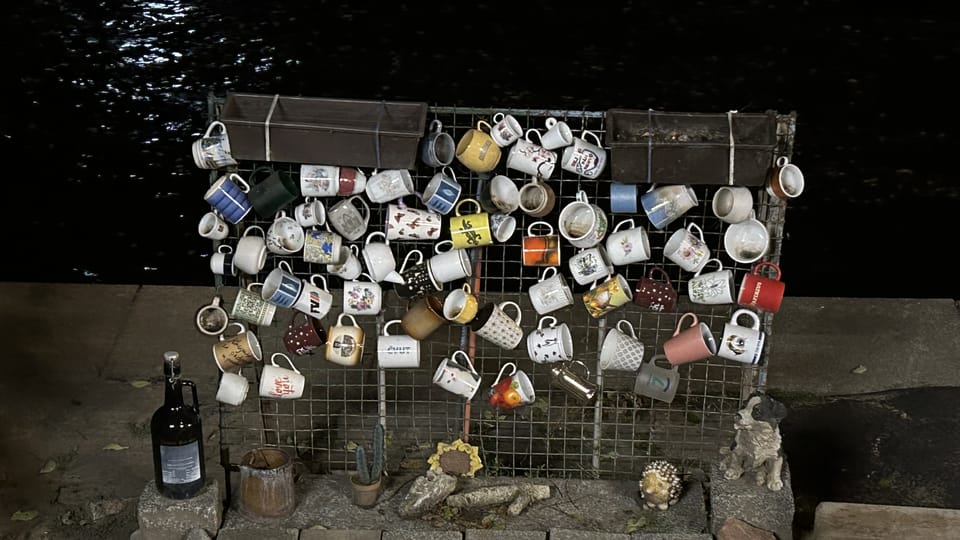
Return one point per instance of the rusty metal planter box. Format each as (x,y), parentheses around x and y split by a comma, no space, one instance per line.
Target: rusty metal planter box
(690,148)
(305,130)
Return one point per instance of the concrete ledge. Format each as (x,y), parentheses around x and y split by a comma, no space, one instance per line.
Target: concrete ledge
(329,534)
(422,535)
(849,521)
(258,533)
(744,499)
(168,519)
(507,534)
(573,534)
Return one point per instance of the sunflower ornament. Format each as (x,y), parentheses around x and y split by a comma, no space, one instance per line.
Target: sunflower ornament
(457,458)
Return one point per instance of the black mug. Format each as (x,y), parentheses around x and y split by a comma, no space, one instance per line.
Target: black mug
(418,280)
(271,191)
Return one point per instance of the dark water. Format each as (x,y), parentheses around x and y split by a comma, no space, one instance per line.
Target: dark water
(103,100)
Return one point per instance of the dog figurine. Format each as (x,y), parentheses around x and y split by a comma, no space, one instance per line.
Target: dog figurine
(756,446)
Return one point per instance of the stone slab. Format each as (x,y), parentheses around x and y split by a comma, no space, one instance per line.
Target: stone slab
(903,343)
(577,534)
(160,518)
(851,521)
(484,534)
(422,535)
(258,533)
(744,499)
(672,536)
(339,534)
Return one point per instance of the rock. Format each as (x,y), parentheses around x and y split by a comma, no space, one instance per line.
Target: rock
(108,507)
(197,534)
(519,497)
(425,493)
(737,529)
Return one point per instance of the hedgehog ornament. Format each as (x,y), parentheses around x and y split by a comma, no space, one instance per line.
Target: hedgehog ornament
(660,485)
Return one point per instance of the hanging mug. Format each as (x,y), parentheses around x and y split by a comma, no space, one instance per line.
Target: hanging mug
(345,342)
(512,390)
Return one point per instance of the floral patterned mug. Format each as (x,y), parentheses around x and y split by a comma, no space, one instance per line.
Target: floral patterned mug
(362,297)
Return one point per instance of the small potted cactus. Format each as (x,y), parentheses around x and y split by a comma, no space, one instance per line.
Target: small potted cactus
(366,483)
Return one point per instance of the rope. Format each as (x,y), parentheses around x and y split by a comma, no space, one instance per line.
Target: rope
(649,146)
(376,134)
(733,145)
(266,128)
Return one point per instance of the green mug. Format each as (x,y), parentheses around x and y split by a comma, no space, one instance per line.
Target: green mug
(270,191)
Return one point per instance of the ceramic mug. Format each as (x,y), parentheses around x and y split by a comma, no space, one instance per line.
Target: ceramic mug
(742,344)
(536,198)
(228,197)
(399,351)
(511,390)
(345,342)
(407,223)
(494,325)
(284,236)
(418,280)
(688,250)
(653,294)
(442,192)
(760,292)
(322,247)
(379,260)
(251,252)
(212,319)
(691,344)
(657,382)
(582,223)
(237,351)
(551,292)
(423,317)
(621,350)
(212,226)
(558,134)
(664,204)
(506,129)
(279,382)
(362,297)
(212,151)
(590,265)
(611,294)
(438,147)
(541,249)
(282,287)
(305,337)
(349,266)
(713,287)
(389,185)
(623,198)
(585,158)
(551,344)
(233,388)
(785,180)
(732,204)
(319,180)
(458,377)
(531,158)
(477,150)
(470,230)
(499,194)
(461,305)
(310,213)
(450,264)
(349,220)
(629,245)
(314,300)
(747,241)
(221,262)
(250,306)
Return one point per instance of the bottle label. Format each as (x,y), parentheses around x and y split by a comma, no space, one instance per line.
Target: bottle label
(180,464)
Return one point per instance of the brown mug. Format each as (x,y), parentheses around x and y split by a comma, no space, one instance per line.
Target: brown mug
(690,344)
(423,317)
(305,337)
(653,294)
(537,199)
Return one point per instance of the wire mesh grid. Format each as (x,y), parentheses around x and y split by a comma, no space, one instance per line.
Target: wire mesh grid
(556,435)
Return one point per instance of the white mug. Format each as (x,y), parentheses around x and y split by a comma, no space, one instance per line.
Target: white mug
(233,388)
(379,260)
(319,180)
(349,266)
(280,382)
(621,350)
(460,378)
(450,265)
(558,134)
(629,245)
(590,265)
(687,249)
(531,158)
(347,219)
(494,325)
(551,292)
(584,158)
(221,262)
(748,241)
(713,287)
(551,344)
(251,253)
(310,213)
(506,129)
(212,226)
(400,351)
(345,342)
(362,297)
(285,236)
(314,300)
(732,204)
(408,223)
(741,343)
(389,185)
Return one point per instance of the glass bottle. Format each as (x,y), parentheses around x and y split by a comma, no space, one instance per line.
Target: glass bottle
(177,437)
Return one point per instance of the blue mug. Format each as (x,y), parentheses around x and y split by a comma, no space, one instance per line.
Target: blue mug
(228,195)
(443,192)
(623,198)
(282,287)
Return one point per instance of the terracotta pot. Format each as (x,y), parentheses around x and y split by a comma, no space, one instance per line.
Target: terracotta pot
(365,496)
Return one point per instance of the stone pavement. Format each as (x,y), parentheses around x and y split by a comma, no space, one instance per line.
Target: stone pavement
(74,352)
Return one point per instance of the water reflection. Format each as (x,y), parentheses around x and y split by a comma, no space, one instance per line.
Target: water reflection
(108,97)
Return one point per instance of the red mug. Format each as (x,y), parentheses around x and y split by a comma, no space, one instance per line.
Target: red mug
(689,345)
(304,338)
(653,294)
(759,292)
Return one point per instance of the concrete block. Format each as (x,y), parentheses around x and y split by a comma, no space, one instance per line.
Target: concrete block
(671,536)
(744,499)
(340,534)
(573,534)
(259,533)
(160,518)
(506,534)
(852,521)
(422,535)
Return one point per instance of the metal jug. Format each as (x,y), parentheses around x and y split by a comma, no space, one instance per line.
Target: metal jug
(575,385)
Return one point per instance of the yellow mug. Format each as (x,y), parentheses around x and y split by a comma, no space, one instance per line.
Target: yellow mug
(461,305)
(476,149)
(608,296)
(470,230)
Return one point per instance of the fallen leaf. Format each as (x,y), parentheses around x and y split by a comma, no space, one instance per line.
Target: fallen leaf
(634,525)
(20,515)
(115,446)
(48,467)
(139,384)
(859,369)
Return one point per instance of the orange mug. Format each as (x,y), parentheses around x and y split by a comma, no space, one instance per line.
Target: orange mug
(541,249)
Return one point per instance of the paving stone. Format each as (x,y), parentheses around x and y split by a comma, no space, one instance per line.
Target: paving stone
(161,518)
(744,499)
(258,533)
(486,534)
(422,535)
(571,534)
(672,536)
(340,534)
(857,521)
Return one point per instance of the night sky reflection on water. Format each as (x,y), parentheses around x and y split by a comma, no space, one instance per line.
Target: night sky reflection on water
(107,98)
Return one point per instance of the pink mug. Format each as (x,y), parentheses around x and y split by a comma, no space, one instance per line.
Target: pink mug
(694,343)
